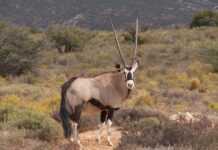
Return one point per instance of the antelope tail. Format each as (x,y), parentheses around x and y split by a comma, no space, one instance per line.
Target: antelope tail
(64,113)
(65,117)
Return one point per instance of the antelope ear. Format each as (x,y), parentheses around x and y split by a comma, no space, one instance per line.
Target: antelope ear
(134,66)
(118,67)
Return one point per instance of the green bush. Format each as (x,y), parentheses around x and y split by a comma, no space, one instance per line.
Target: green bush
(18,51)
(50,130)
(211,56)
(129,36)
(37,125)
(35,30)
(67,38)
(3,25)
(205,18)
(213,106)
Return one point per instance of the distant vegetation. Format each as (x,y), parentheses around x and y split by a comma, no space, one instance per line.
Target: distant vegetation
(205,18)
(68,39)
(129,36)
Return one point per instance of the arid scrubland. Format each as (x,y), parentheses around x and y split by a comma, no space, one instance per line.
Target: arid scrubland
(178,73)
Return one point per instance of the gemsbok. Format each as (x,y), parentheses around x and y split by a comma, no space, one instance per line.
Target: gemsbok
(103,93)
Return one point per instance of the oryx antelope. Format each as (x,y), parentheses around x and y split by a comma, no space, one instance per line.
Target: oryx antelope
(103,93)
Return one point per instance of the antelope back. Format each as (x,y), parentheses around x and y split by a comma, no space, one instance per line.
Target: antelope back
(109,89)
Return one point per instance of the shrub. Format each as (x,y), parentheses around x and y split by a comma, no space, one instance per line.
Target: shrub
(195,84)
(176,134)
(211,56)
(129,36)
(68,39)
(205,18)
(213,106)
(18,51)
(49,129)
(142,99)
(3,25)
(35,30)
(37,125)
(149,132)
(10,139)
(26,91)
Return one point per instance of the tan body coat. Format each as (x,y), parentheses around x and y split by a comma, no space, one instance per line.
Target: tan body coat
(108,88)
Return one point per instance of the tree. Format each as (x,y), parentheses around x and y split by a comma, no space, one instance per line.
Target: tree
(18,51)
(205,18)
(67,38)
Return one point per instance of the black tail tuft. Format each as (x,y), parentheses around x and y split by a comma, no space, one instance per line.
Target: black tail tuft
(65,117)
(64,114)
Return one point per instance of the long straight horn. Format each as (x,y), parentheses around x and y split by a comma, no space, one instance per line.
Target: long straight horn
(136,39)
(118,44)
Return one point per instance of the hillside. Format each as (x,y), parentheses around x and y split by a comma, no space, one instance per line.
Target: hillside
(94,14)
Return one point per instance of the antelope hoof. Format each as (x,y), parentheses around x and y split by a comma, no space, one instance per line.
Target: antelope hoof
(76,142)
(80,145)
(110,143)
(98,140)
(71,140)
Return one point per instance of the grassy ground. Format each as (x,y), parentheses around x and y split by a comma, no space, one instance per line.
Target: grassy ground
(177,73)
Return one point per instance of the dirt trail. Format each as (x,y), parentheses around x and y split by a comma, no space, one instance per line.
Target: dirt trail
(88,140)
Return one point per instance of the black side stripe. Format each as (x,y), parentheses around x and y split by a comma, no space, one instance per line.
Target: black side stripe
(99,105)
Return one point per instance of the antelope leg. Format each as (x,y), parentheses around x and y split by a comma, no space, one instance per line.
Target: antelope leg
(109,124)
(72,138)
(99,132)
(75,137)
(102,125)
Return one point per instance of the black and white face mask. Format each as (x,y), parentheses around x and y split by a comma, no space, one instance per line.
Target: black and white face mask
(129,75)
